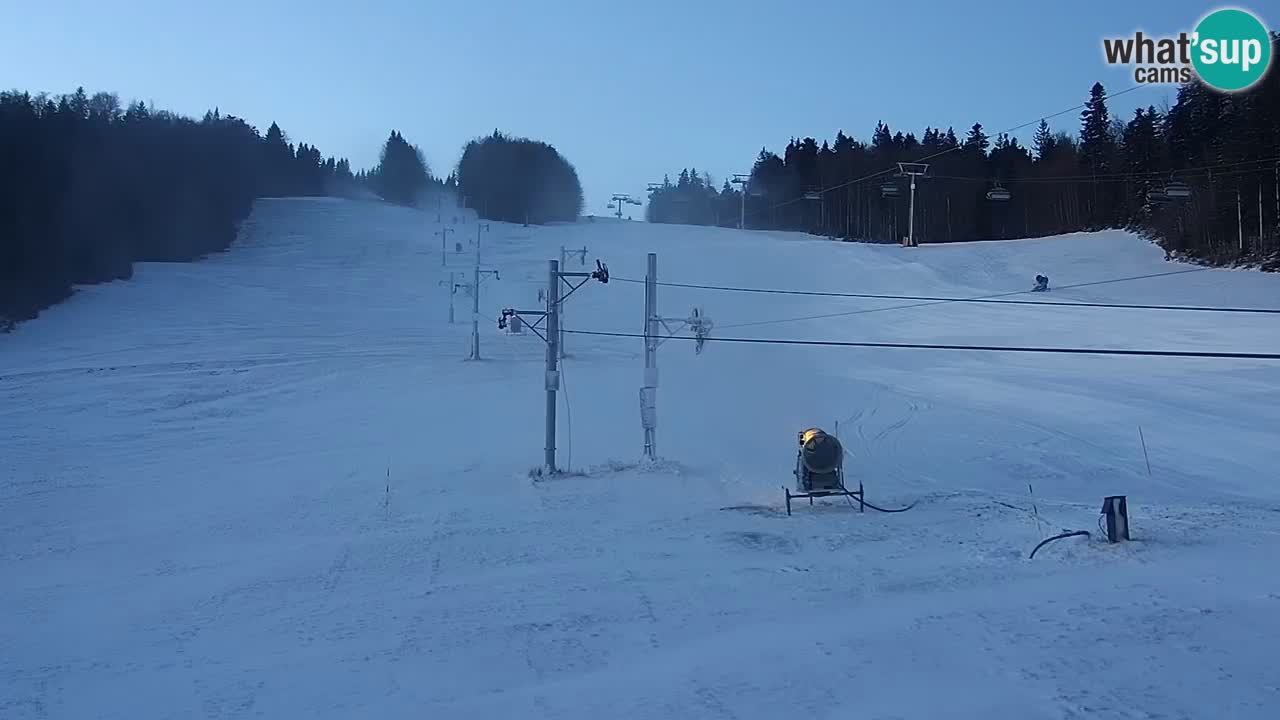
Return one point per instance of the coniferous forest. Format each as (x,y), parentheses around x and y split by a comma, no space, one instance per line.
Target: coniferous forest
(88,187)
(1201,178)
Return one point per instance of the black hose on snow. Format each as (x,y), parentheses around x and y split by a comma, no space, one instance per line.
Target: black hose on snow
(1046,541)
(891,510)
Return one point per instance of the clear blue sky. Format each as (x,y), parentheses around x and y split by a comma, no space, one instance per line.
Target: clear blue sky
(626,90)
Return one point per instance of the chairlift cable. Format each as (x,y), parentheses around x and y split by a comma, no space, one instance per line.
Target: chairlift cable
(959,146)
(984,299)
(1265,165)
(979,348)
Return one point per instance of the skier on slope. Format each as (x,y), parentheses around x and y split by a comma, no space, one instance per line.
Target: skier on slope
(1042,284)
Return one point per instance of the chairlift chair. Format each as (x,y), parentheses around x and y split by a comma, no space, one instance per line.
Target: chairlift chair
(998,194)
(813,195)
(889,190)
(1177,190)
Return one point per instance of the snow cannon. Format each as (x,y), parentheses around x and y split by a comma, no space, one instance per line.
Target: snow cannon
(819,469)
(821,454)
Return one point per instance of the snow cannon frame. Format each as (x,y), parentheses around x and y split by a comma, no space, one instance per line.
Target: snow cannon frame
(821,473)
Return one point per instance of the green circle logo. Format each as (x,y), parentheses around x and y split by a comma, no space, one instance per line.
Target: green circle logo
(1232,50)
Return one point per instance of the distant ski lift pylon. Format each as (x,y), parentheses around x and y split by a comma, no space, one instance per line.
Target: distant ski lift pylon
(616,202)
(744,181)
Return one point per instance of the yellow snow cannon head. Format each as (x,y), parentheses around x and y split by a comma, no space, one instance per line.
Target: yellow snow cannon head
(822,453)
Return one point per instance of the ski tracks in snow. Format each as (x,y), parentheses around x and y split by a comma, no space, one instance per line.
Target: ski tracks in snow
(880,435)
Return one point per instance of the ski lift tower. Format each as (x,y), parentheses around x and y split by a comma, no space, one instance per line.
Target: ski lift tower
(914,170)
(741,181)
(444,236)
(651,189)
(619,199)
(816,196)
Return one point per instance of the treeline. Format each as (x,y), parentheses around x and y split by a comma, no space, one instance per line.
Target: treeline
(286,171)
(518,180)
(693,200)
(1201,178)
(88,187)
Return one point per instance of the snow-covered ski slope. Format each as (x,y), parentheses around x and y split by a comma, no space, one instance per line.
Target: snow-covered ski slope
(268,485)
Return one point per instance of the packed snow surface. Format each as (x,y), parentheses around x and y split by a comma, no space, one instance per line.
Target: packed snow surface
(267,484)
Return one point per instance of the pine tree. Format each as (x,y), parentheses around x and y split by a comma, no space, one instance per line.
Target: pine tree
(402,175)
(882,139)
(1096,143)
(277,164)
(1043,141)
(1097,149)
(977,141)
